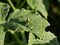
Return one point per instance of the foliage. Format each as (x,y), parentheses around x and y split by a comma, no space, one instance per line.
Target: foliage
(24,22)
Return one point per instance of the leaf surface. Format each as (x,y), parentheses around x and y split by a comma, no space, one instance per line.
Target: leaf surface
(2,35)
(38,6)
(47,38)
(36,22)
(4,9)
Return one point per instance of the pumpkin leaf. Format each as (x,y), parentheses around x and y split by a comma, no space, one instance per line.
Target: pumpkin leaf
(4,9)
(2,35)
(38,5)
(47,38)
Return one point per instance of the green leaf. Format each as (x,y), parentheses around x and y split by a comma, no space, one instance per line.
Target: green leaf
(2,35)
(14,26)
(19,16)
(38,6)
(22,28)
(36,22)
(47,38)
(4,9)
(31,39)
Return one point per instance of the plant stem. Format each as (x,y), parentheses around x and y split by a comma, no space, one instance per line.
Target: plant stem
(22,4)
(13,7)
(24,38)
(16,37)
(18,3)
